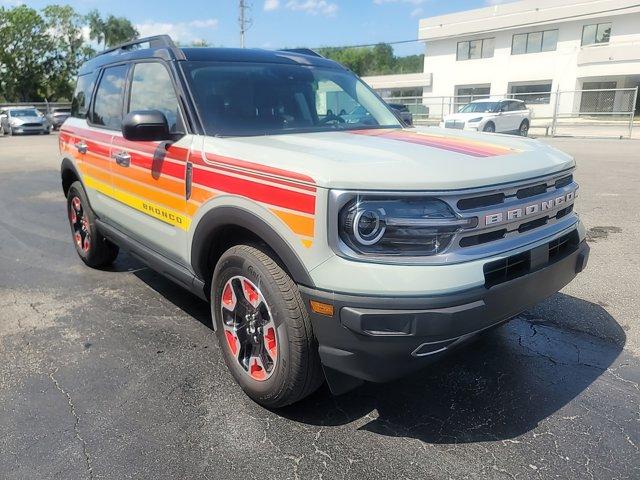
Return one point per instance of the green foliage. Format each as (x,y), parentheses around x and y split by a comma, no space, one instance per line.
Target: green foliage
(25,57)
(110,31)
(377,60)
(40,52)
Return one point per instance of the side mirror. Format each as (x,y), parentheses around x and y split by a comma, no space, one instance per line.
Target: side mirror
(146,126)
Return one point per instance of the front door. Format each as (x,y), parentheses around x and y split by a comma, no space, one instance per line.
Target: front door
(149,177)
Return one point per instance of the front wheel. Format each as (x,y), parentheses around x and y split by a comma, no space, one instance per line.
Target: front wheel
(94,250)
(489,128)
(263,328)
(524,128)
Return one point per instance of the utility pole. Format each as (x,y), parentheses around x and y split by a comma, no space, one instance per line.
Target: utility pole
(244,20)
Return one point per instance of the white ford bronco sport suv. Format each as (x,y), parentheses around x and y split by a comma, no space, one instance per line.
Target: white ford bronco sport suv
(330,248)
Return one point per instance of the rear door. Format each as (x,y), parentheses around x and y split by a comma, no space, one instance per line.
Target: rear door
(149,177)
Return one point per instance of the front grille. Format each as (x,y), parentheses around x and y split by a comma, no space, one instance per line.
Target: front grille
(563,246)
(531,191)
(479,202)
(31,125)
(510,268)
(513,198)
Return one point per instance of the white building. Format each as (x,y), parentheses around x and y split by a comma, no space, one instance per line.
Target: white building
(533,47)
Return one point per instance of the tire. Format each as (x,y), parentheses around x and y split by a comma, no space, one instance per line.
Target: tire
(489,127)
(94,250)
(523,131)
(283,372)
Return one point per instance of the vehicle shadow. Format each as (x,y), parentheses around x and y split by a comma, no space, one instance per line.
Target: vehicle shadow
(497,388)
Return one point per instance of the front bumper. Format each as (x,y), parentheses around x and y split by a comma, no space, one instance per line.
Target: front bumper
(380,339)
(22,130)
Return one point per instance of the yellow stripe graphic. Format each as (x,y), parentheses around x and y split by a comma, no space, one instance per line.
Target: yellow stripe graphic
(152,209)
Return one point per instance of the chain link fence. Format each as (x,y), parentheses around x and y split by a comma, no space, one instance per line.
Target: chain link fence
(588,112)
(43,107)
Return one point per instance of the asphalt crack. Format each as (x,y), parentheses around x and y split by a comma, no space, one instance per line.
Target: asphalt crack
(76,424)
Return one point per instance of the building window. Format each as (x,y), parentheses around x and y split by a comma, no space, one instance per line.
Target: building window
(473,49)
(532,93)
(596,33)
(468,93)
(534,42)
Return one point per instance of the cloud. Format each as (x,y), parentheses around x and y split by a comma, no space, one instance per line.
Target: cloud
(313,7)
(417,12)
(413,2)
(181,31)
(270,5)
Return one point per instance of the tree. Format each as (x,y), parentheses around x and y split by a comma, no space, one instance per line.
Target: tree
(70,51)
(26,54)
(110,31)
(118,30)
(377,60)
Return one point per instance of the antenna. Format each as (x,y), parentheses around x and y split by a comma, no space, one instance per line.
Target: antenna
(244,19)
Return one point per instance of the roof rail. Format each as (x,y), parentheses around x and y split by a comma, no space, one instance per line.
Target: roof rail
(156,41)
(303,51)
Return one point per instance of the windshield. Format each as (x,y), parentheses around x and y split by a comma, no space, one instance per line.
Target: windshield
(267,99)
(24,112)
(480,107)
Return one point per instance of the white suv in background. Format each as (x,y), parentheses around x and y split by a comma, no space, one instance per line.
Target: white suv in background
(491,115)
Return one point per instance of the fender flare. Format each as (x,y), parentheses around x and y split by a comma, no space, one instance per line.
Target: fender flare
(66,166)
(225,216)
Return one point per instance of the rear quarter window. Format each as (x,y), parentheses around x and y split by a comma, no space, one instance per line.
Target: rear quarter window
(82,95)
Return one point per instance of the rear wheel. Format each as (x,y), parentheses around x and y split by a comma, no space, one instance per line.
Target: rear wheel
(489,127)
(94,250)
(263,328)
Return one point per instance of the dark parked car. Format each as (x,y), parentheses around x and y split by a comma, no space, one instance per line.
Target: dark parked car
(57,116)
(403,112)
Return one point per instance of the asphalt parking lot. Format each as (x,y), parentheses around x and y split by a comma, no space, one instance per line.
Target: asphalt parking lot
(116,374)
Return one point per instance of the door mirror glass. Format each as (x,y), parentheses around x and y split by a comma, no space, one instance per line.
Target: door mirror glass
(146,126)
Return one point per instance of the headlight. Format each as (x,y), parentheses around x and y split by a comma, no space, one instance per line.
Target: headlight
(475,120)
(398,226)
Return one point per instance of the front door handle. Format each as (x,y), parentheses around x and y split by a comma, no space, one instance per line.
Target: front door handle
(123,159)
(81,146)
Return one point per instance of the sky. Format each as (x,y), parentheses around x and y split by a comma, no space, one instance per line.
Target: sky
(277,23)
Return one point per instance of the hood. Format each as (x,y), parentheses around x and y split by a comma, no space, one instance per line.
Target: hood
(407,159)
(30,119)
(466,116)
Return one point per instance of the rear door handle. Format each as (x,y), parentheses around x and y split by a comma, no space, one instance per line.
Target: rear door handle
(123,159)
(81,146)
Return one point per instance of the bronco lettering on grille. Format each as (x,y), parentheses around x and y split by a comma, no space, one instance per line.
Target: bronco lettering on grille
(528,210)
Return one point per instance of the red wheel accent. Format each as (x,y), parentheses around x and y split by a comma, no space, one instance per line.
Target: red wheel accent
(250,293)
(256,371)
(228,297)
(270,342)
(76,204)
(87,244)
(78,238)
(232,341)
(72,215)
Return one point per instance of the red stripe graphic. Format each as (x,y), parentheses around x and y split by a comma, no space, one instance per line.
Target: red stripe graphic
(280,197)
(458,145)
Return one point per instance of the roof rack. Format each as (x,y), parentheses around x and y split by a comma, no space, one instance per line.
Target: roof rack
(303,51)
(156,41)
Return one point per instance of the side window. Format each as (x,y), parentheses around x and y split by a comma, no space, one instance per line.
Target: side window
(107,108)
(82,95)
(151,89)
